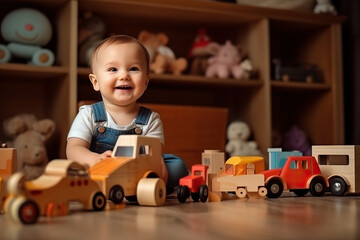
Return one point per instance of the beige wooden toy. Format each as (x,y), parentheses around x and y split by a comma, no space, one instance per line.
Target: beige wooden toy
(340,164)
(49,195)
(133,171)
(7,167)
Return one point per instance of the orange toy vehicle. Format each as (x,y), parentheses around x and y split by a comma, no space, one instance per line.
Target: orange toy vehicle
(7,167)
(194,185)
(299,175)
(133,171)
(48,195)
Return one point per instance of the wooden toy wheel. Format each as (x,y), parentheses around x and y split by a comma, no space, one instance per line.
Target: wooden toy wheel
(8,201)
(262,191)
(204,193)
(116,194)
(195,196)
(274,188)
(317,187)
(241,192)
(300,192)
(151,191)
(338,186)
(98,201)
(25,211)
(183,192)
(15,183)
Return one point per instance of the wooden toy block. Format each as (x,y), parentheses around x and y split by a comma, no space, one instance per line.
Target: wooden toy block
(8,165)
(214,159)
(49,195)
(340,164)
(277,157)
(133,171)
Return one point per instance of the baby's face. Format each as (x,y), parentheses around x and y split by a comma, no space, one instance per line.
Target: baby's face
(120,73)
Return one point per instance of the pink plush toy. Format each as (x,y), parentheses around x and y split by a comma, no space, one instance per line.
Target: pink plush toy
(226,62)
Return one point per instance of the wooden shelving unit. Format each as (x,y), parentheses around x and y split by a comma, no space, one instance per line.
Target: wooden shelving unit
(264,34)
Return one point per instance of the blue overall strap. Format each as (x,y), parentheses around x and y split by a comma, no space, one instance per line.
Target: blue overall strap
(144,115)
(99,111)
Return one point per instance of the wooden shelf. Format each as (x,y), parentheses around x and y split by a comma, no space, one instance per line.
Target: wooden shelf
(285,86)
(22,70)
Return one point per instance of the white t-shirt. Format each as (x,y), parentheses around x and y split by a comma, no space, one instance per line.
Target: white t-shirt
(84,125)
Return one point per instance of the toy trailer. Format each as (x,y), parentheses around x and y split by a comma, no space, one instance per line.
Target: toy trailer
(340,164)
(133,171)
(8,165)
(194,185)
(49,195)
(278,157)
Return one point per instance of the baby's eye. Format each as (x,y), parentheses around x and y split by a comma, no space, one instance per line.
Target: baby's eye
(112,69)
(134,69)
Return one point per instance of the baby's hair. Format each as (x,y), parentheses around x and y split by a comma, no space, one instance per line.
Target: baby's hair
(119,39)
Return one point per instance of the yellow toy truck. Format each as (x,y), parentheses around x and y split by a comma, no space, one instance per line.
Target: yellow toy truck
(133,171)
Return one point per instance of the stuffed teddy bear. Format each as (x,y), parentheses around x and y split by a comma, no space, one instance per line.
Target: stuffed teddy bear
(238,133)
(162,58)
(28,138)
(26,30)
(198,54)
(227,62)
(91,32)
(296,139)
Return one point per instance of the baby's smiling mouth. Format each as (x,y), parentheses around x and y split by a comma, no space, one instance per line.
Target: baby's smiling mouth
(124,87)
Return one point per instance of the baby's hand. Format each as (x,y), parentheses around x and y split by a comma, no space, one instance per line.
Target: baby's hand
(102,156)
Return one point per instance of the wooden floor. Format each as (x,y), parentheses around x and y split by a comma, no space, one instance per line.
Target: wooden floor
(283,218)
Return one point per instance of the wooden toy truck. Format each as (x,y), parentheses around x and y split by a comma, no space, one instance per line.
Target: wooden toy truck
(7,167)
(340,164)
(299,175)
(194,185)
(236,175)
(133,171)
(49,195)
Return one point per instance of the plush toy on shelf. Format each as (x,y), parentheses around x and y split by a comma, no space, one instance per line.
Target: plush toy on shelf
(296,139)
(28,137)
(227,61)
(238,133)
(91,32)
(162,58)
(26,30)
(198,54)
(324,6)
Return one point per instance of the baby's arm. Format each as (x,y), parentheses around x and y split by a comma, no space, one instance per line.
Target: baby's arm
(77,149)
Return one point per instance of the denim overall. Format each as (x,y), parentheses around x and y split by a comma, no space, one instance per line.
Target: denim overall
(104,139)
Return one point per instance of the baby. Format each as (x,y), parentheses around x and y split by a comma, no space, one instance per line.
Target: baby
(120,71)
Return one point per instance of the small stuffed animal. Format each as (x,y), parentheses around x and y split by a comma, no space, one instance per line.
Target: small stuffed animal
(91,32)
(198,54)
(26,30)
(28,138)
(226,62)
(324,6)
(296,139)
(162,58)
(238,133)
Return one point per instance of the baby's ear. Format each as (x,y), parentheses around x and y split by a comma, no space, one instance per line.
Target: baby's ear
(94,81)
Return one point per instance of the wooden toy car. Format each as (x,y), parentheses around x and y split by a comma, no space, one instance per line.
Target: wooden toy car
(8,165)
(49,195)
(339,164)
(133,171)
(194,185)
(299,175)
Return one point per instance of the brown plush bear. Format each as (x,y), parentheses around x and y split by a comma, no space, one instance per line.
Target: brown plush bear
(28,138)
(162,58)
